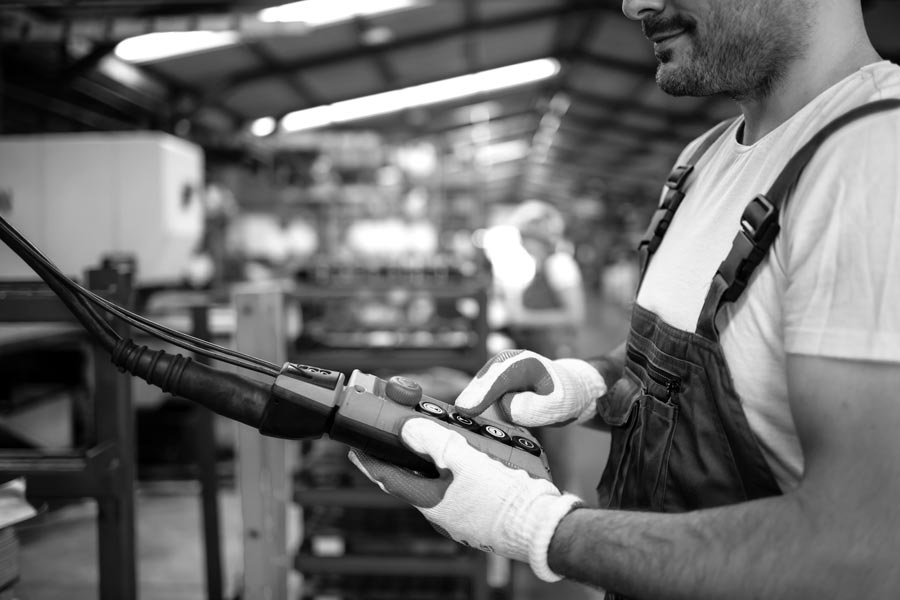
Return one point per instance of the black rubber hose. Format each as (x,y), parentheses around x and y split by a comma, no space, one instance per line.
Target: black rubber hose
(225,393)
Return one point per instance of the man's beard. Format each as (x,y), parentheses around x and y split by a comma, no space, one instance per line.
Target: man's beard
(742,60)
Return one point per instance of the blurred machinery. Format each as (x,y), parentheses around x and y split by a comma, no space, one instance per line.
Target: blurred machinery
(81,196)
(393,316)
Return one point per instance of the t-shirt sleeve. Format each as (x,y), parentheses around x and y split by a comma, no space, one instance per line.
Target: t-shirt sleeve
(842,246)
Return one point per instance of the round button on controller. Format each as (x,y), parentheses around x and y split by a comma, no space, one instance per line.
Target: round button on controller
(494,432)
(403,391)
(526,445)
(432,409)
(464,421)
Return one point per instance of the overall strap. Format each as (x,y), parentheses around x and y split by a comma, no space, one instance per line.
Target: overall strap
(759,223)
(675,183)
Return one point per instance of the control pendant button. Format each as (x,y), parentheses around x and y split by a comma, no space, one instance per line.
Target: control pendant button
(430,408)
(526,445)
(464,422)
(494,432)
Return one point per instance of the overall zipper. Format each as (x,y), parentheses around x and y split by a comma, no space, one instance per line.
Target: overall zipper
(671,382)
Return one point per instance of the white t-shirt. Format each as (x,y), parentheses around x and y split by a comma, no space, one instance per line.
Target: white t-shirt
(831,283)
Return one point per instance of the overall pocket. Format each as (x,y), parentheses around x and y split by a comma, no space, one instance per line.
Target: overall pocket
(643,426)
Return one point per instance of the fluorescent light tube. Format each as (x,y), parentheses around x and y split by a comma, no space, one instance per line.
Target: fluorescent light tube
(263,127)
(316,13)
(156,46)
(421,95)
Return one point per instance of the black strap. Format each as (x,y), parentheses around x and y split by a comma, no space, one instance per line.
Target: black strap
(759,223)
(675,184)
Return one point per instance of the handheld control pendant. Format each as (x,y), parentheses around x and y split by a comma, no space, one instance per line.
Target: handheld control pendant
(366,413)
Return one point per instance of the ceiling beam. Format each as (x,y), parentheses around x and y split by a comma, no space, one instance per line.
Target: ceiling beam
(122,6)
(628,103)
(88,62)
(572,32)
(642,69)
(194,99)
(41,102)
(700,115)
(95,90)
(610,121)
(408,42)
(374,54)
(586,127)
(499,118)
(470,21)
(270,62)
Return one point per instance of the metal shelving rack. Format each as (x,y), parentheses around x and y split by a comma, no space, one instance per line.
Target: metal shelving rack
(360,542)
(467,355)
(410,561)
(105,468)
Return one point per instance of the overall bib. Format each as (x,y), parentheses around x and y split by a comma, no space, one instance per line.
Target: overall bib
(680,438)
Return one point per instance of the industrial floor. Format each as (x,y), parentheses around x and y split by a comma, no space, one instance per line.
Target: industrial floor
(58,550)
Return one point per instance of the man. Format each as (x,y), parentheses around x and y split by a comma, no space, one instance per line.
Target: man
(755,447)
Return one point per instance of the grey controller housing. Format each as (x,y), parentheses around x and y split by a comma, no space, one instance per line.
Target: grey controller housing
(367,413)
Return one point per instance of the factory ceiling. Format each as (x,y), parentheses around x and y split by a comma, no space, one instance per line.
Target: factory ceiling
(598,127)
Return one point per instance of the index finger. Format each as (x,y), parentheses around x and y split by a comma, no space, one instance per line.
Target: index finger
(504,373)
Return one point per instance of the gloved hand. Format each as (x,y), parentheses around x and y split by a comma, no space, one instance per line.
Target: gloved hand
(476,500)
(534,391)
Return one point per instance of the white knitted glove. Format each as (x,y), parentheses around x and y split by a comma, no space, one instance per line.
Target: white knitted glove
(534,391)
(476,501)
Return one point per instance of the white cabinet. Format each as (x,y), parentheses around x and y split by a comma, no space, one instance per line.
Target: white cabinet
(79,196)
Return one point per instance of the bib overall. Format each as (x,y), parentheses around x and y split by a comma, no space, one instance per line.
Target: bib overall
(680,438)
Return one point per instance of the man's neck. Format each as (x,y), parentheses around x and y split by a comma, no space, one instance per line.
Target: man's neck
(834,53)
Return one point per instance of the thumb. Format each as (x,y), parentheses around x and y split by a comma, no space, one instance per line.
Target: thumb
(402,483)
(448,449)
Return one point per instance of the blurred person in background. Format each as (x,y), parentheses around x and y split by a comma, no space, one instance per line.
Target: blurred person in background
(546,314)
(754,406)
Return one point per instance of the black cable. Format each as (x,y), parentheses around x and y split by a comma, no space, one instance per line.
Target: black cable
(84,312)
(227,394)
(51,274)
(151,326)
(180,341)
(184,340)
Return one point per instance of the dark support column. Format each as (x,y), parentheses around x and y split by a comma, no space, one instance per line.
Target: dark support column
(205,451)
(115,423)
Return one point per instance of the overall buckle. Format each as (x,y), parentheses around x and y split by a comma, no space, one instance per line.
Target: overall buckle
(760,221)
(759,227)
(661,219)
(678,176)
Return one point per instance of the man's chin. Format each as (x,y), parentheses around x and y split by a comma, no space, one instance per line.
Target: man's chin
(670,79)
(682,82)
